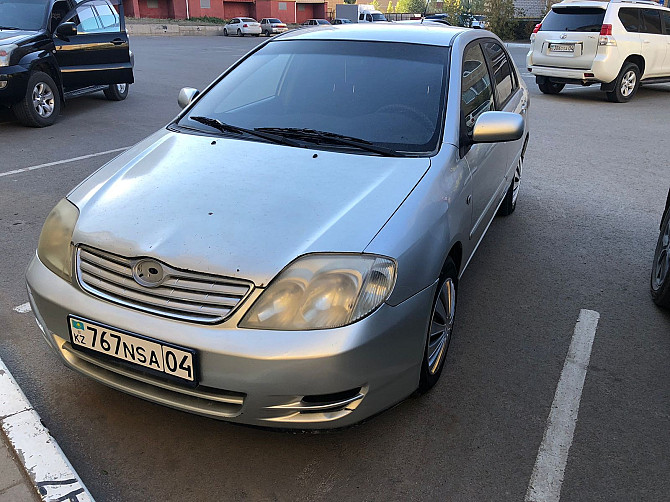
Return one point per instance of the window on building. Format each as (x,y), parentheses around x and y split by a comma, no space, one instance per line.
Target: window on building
(282,6)
(205,4)
(152,4)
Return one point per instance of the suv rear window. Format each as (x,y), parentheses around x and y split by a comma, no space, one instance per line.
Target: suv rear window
(585,19)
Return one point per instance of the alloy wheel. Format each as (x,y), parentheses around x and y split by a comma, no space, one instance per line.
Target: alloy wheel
(661,258)
(628,83)
(516,183)
(441,325)
(43,100)
(121,88)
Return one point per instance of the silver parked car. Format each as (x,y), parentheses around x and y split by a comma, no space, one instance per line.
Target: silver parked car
(271,26)
(312,291)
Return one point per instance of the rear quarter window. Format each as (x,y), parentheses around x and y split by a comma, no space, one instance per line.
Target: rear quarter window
(583,19)
(630,19)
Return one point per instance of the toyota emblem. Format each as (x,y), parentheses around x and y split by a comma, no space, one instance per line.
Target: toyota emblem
(148,273)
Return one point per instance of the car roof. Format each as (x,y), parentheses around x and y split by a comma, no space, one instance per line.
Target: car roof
(416,33)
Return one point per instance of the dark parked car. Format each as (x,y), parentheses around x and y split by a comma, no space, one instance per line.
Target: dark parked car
(54,50)
(660,272)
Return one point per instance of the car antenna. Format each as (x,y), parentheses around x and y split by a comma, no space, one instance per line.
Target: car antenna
(425,9)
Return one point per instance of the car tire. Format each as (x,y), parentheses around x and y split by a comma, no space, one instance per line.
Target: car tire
(239,33)
(625,85)
(509,202)
(551,87)
(225,32)
(117,92)
(440,328)
(660,271)
(41,105)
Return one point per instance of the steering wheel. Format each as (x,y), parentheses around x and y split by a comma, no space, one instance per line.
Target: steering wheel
(421,117)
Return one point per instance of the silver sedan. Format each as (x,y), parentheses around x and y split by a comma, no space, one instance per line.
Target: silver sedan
(312,291)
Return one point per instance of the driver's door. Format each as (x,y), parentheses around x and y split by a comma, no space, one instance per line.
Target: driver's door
(99,53)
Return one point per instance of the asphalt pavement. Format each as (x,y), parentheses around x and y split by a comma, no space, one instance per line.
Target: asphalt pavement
(595,180)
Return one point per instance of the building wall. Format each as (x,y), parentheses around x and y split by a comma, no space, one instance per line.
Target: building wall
(270,8)
(224,9)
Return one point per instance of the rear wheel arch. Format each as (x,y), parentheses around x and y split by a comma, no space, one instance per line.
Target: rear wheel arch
(637,60)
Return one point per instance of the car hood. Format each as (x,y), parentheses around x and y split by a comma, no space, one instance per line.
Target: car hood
(238,208)
(15,36)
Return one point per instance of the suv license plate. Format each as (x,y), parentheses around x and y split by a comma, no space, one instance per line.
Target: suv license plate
(561,47)
(170,360)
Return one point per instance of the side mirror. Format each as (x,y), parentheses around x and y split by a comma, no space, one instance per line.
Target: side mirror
(186,95)
(66,30)
(495,127)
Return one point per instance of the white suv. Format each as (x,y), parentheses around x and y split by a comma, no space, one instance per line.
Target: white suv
(617,44)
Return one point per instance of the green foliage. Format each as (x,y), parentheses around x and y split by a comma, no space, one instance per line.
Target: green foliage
(500,18)
(208,20)
(389,7)
(416,6)
(350,1)
(375,4)
(402,6)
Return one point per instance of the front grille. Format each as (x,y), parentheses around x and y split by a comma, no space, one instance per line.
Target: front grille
(188,296)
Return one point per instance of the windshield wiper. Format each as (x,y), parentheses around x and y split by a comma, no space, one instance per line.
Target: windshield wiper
(9,28)
(324,137)
(223,127)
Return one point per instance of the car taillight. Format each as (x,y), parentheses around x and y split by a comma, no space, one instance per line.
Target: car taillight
(245,26)
(605,37)
(537,28)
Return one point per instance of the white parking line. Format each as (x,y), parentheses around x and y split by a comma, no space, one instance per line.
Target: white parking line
(49,470)
(59,162)
(23,308)
(547,478)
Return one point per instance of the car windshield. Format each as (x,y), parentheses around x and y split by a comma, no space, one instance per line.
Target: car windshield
(378,17)
(584,19)
(388,94)
(22,14)
(274,21)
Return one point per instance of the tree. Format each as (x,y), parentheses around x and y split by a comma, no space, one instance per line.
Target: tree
(350,1)
(402,6)
(375,4)
(416,6)
(500,18)
(389,7)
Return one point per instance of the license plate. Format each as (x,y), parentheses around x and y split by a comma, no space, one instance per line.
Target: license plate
(170,360)
(561,48)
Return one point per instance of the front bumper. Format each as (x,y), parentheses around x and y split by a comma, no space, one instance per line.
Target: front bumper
(13,84)
(302,379)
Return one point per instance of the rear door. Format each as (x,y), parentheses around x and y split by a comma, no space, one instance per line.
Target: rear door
(653,42)
(665,16)
(568,37)
(99,53)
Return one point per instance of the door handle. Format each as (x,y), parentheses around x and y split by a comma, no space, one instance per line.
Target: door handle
(118,41)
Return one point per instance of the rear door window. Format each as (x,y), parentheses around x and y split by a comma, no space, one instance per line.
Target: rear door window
(583,19)
(505,83)
(651,21)
(666,20)
(630,18)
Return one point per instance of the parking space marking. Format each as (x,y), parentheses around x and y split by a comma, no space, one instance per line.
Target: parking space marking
(49,470)
(23,308)
(66,161)
(547,478)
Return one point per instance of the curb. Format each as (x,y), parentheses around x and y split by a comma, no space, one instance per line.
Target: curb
(50,472)
(174,30)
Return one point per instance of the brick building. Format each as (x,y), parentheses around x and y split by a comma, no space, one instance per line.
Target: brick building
(294,11)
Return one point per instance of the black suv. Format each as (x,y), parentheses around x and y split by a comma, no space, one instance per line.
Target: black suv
(53,50)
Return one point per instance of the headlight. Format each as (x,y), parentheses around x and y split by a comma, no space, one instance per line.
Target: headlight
(55,246)
(5,53)
(323,291)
